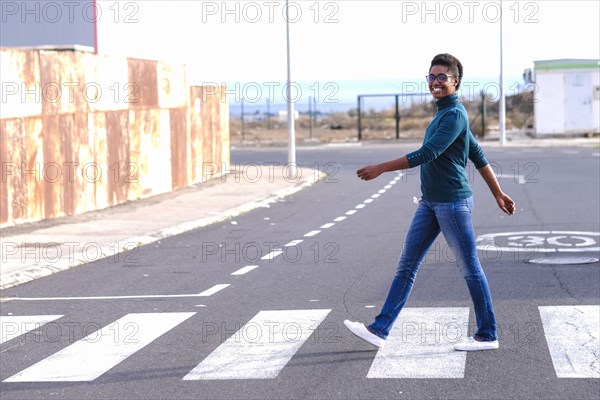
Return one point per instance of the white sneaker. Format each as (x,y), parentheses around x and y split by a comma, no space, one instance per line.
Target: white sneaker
(470,344)
(362,332)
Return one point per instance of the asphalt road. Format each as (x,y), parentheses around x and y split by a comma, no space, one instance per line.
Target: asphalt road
(276,330)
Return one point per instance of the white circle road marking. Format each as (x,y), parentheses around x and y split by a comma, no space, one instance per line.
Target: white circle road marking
(535,240)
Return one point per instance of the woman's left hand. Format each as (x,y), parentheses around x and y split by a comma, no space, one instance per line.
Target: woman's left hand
(506,203)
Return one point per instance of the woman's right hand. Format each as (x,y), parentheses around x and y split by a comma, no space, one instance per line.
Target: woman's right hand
(369,172)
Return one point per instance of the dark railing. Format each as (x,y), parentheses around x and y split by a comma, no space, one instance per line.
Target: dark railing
(397,97)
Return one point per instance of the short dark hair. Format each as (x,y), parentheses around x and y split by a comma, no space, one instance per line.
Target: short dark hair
(452,63)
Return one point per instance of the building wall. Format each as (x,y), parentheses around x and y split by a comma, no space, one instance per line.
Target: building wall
(550,103)
(81,132)
(567,97)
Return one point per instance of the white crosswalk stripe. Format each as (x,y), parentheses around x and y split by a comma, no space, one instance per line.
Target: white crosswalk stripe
(261,348)
(573,337)
(90,357)
(15,326)
(420,345)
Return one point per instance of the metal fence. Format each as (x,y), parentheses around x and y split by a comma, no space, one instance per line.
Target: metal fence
(410,99)
(407,98)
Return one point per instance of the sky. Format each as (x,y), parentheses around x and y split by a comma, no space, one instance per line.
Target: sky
(245,41)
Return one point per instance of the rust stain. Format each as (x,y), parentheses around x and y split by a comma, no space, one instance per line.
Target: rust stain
(142,76)
(144,131)
(67,163)
(97,172)
(82,157)
(50,86)
(17,189)
(34,154)
(4,163)
(51,169)
(136,128)
(117,139)
(178,148)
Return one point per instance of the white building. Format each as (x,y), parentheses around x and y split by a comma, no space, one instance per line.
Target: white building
(567,97)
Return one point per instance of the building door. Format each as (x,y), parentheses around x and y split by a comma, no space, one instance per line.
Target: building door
(578,102)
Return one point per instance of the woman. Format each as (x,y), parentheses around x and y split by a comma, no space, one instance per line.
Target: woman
(446,204)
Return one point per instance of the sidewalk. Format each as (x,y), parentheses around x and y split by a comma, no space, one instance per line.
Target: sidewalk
(39,249)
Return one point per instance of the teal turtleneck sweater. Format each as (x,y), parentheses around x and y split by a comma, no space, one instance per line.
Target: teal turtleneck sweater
(447,145)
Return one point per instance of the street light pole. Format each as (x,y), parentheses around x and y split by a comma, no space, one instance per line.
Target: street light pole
(290,105)
(502,117)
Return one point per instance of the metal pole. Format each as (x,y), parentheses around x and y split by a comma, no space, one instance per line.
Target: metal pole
(397,120)
(310,117)
(290,106)
(483,111)
(502,119)
(242,116)
(359,122)
(268,115)
(315,110)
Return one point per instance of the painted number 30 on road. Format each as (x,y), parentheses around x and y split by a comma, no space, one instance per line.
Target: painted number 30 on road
(542,241)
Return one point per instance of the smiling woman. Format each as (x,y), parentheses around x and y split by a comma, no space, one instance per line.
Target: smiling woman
(445,207)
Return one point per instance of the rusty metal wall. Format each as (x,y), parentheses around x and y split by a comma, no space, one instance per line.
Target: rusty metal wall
(81,132)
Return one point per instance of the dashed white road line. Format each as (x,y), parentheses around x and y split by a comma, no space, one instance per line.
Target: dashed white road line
(312,233)
(360,206)
(339,219)
(213,290)
(350,212)
(272,255)
(294,243)
(328,225)
(375,196)
(367,201)
(382,191)
(244,270)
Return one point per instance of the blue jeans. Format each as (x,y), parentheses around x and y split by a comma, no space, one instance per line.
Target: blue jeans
(453,219)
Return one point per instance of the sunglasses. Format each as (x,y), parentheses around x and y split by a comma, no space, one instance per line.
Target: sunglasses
(440,78)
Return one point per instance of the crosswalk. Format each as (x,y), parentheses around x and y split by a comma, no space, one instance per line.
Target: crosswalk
(419,346)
